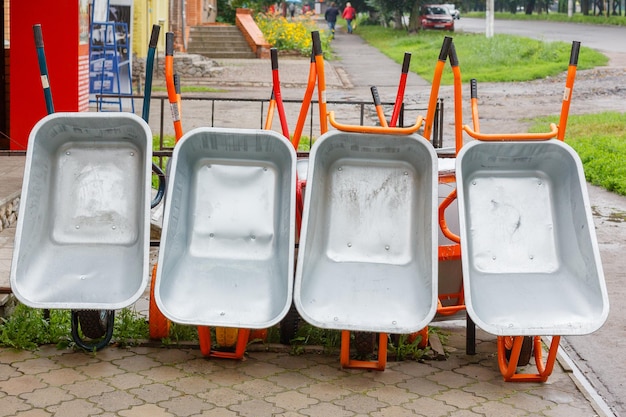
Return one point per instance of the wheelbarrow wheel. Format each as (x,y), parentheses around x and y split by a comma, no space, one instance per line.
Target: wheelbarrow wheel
(364,344)
(289,326)
(525,354)
(226,337)
(94,325)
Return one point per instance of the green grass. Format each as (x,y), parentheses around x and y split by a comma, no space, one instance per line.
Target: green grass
(502,58)
(555,17)
(27,328)
(600,141)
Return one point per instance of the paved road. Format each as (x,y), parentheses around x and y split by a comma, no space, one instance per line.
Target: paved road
(608,39)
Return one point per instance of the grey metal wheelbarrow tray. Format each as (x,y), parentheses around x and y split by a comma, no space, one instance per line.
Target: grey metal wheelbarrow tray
(226,256)
(368,250)
(82,237)
(531,263)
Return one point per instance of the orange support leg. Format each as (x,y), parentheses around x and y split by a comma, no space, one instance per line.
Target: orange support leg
(378,365)
(204,336)
(509,370)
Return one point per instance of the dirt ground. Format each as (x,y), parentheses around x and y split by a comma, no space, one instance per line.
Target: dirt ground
(505,107)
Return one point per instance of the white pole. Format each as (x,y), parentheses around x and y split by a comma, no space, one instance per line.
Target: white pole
(570,8)
(489,16)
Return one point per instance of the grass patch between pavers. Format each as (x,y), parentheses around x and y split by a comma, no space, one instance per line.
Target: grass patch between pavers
(28,328)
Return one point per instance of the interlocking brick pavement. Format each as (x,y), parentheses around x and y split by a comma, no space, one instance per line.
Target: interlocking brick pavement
(150,380)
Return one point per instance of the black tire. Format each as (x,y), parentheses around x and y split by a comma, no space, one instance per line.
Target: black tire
(89,324)
(93,323)
(525,354)
(289,326)
(364,343)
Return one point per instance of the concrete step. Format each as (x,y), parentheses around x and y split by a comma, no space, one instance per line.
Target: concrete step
(219,42)
(216,43)
(214,28)
(217,38)
(228,54)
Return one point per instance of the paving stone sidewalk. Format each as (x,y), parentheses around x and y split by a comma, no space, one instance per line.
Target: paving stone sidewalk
(160,381)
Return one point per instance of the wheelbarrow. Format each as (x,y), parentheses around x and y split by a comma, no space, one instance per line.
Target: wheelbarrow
(226,257)
(82,237)
(531,263)
(368,245)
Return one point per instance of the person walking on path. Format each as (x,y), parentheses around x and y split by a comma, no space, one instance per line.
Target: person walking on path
(331,17)
(349,14)
(292,10)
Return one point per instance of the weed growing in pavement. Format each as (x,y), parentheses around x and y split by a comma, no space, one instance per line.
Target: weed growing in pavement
(130,327)
(308,335)
(180,333)
(405,349)
(27,328)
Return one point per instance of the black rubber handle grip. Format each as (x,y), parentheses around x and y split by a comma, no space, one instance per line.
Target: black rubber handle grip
(473,88)
(274,57)
(454,60)
(169,44)
(443,54)
(317,43)
(406,62)
(177,83)
(375,95)
(573,58)
(154,37)
(38,36)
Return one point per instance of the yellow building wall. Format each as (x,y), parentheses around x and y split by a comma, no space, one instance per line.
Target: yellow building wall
(145,14)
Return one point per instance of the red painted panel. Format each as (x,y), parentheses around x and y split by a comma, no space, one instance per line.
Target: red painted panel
(62,23)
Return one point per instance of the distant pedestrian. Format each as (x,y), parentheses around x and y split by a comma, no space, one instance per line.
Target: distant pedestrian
(292,9)
(331,17)
(349,14)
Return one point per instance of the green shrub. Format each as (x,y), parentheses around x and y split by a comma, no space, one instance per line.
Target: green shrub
(293,36)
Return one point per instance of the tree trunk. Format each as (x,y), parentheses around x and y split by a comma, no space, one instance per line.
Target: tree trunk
(414,17)
(397,20)
(530,6)
(584,7)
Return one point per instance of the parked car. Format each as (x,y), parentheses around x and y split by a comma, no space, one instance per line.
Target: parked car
(436,16)
(453,10)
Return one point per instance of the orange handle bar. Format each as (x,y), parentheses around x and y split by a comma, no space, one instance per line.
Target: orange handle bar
(434,90)
(169,82)
(306,103)
(375,129)
(442,218)
(495,137)
(321,79)
(379,108)
(270,113)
